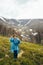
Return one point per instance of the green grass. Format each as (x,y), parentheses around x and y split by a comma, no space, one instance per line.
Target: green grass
(33,53)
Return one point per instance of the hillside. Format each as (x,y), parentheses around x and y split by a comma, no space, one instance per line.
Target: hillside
(33,53)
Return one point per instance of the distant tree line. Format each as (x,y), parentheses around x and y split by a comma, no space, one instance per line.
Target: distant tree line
(36,38)
(5,31)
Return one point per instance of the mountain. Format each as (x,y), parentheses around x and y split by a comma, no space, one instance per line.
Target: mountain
(13,22)
(21,27)
(35,24)
(36,27)
(8,22)
(23,21)
(23,24)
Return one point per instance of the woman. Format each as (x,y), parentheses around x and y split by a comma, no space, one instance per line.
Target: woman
(14,45)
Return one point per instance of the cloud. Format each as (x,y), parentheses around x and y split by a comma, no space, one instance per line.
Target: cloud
(22,1)
(32,10)
(21,8)
(8,8)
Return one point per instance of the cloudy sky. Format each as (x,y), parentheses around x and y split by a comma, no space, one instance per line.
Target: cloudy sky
(21,9)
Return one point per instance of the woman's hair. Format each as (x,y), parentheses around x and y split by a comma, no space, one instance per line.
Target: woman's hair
(14,35)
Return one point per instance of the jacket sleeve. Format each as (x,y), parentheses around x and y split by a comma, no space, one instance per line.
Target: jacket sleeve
(18,40)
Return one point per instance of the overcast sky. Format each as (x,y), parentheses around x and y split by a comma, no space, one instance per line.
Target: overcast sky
(21,9)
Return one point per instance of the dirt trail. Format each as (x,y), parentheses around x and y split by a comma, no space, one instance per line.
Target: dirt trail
(20,54)
(1,59)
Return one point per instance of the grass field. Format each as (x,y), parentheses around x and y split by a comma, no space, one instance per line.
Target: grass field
(33,53)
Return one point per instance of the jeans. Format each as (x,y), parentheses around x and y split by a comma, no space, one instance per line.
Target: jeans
(15,54)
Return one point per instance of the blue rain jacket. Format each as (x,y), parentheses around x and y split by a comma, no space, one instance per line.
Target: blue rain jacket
(14,42)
